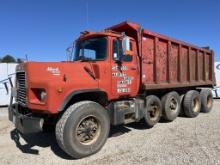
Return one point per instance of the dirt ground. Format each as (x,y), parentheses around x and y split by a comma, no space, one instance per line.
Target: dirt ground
(183,141)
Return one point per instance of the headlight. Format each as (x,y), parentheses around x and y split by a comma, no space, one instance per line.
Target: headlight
(43,95)
(38,95)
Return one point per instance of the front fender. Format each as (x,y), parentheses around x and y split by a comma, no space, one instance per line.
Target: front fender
(74,94)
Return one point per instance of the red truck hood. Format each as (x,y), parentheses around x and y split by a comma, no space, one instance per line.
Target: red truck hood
(55,71)
(59,79)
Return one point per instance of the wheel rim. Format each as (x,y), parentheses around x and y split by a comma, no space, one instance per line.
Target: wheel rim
(173,104)
(88,130)
(209,101)
(154,111)
(195,104)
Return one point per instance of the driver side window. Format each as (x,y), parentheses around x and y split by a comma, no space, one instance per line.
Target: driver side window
(117,52)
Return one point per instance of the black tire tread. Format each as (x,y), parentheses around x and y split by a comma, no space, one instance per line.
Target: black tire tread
(150,123)
(187,103)
(163,101)
(182,113)
(204,93)
(61,124)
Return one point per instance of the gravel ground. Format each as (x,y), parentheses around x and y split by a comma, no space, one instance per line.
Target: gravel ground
(183,141)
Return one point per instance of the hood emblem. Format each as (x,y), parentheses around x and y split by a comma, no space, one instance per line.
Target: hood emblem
(54,70)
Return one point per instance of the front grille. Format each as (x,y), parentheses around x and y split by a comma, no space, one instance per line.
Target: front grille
(21,88)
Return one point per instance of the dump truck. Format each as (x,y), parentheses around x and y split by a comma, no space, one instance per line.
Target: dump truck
(120,75)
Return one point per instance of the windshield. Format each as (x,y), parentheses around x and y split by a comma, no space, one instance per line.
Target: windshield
(91,49)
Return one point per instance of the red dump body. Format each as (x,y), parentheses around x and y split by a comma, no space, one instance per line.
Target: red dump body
(167,62)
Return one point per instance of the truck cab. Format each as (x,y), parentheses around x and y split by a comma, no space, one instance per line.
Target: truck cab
(113,60)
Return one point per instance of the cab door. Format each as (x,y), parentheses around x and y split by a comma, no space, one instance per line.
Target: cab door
(125,71)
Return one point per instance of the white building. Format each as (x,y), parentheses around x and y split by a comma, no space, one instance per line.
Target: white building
(7,76)
(216,91)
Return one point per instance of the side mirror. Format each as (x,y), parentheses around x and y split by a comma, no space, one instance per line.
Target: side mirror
(70,51)
(126,47)
(122,50)
(125,44)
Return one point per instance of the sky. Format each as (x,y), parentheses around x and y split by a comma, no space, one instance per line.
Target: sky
(43,29)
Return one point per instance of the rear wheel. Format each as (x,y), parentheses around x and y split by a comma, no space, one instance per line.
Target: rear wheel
(83,129)
(181,105)
(153,110)
(192,103)
(170,106)
(206,100)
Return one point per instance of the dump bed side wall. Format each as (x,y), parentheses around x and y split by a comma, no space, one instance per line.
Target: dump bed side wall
(169,63)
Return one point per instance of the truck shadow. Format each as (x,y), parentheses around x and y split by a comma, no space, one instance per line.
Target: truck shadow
(42,140)
(122,129)
(48,139)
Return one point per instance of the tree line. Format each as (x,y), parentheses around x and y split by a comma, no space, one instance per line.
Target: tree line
(9,59)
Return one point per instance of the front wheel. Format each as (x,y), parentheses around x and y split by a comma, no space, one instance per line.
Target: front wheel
(83,129)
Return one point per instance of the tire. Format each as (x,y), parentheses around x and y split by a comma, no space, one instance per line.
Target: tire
(170,106)
(192,103)
(181,105)
(153,110)
(206,100)
(83,129)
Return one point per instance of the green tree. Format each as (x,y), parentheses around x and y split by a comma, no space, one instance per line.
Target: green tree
(19,60)
(8,59)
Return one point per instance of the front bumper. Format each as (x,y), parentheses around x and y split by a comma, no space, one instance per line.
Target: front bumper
(25,123)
